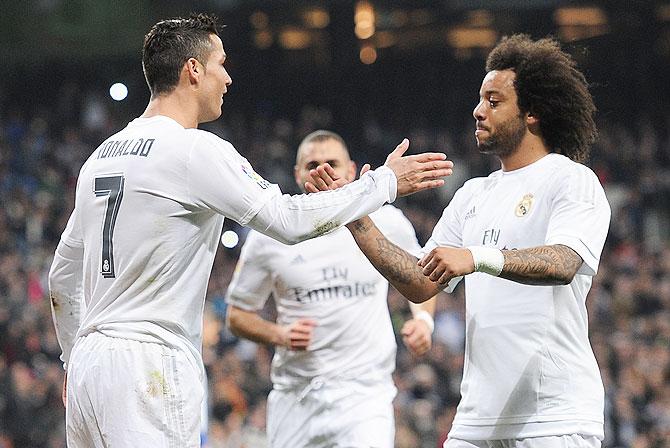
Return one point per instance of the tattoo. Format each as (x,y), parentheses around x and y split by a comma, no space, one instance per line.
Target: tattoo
(399,266)
(360,225)
(544,265)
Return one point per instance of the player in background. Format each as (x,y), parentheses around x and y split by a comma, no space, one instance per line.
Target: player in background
(528,240)
(335,347)
(139,246)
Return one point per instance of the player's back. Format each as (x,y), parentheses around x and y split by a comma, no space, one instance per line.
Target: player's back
(148,248)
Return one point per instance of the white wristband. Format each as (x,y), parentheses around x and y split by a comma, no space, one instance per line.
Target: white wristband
(487,259)
(427,318)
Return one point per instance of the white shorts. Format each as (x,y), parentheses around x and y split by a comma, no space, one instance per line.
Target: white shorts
(125,393)
(342,414)
(566,441)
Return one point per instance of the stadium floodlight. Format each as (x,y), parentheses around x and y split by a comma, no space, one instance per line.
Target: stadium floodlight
(229,239)
(118,91)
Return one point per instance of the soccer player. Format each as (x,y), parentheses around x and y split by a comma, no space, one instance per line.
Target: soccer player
(528,239)
(335,353)
(139,246)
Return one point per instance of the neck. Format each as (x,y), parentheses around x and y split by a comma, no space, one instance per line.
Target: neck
(531,149)
(181,108)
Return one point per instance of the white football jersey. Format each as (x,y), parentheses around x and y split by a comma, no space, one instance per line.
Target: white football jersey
(529,369)
(330,280)
(149,211)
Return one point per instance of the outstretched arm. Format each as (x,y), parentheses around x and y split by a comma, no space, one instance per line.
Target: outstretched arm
(291,219)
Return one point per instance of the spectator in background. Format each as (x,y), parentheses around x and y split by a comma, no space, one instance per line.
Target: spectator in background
(334,342)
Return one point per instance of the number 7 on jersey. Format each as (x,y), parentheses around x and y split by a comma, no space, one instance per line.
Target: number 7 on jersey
(112,187)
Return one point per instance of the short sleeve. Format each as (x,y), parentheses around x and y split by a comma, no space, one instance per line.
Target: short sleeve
(580,216)
(252,281)
(449,229)
(397,228)
(220,179)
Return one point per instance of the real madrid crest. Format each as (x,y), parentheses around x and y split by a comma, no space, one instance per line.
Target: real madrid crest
(523,207)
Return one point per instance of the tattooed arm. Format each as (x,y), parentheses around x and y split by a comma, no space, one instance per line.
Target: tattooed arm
(543,265)
(399,267)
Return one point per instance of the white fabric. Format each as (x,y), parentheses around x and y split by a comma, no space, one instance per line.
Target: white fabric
(162,190)
(330,280)
(529,369)
(66,295)
(125,393)
(351,414)
(566,441)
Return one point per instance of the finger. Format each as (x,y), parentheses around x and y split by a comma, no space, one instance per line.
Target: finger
(399,150)
(430,267)
(365,169)
(298,340)
(426,258)
(444,278)
(325,176)
(310,188)
(427,185)
(318,181)
(437,273)
(307,321)
(330,171)
(302,330)
(434,170)
(431,156)
(326,173)
(407,329)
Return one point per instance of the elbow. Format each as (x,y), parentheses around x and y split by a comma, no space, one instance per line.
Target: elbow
(417,295)
(565,278)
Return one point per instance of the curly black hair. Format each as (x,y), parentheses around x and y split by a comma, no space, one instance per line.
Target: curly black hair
(549,86)
(170,43)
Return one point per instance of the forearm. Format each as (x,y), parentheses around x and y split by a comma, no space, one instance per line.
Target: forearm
(66,293)
(249,325)
(396,265)
(427,306)
(543,265)
(291,219)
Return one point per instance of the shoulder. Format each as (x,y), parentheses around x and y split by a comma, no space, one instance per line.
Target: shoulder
(211,141)
(473,186)
(389,217)
(563,171)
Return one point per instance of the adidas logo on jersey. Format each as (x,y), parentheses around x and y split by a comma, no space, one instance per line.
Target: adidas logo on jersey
(298,260)
(471,214)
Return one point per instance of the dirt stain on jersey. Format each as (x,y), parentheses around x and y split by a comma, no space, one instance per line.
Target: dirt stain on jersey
(156,385)
(323,228)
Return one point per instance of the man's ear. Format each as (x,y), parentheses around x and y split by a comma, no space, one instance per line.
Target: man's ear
(193,70)
(351,172)
(532,120)
(296,175)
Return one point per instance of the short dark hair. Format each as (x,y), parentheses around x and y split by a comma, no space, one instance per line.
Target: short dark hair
(549,86)
(170,43)
(318,136)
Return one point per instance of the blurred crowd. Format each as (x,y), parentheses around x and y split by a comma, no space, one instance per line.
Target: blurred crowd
(629,304)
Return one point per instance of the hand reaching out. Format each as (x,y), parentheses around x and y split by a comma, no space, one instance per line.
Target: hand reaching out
(413,173)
